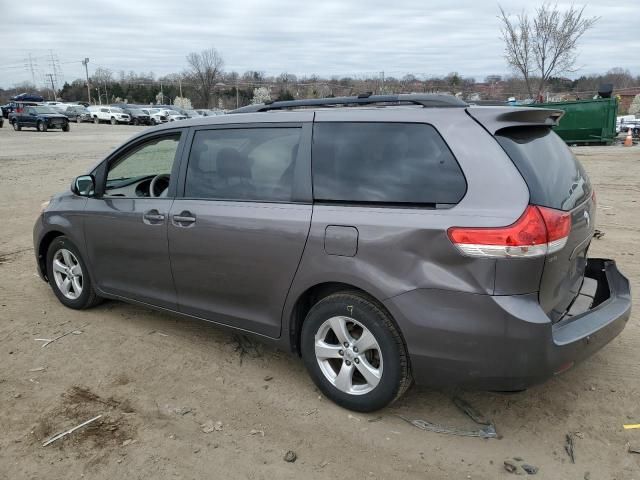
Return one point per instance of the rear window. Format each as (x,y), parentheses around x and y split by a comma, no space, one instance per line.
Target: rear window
(384,163)
(553,174)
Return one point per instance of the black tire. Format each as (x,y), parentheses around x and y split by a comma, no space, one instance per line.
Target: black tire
(41,126)
(396,373)
(96,120)
(113,121)
(78,120)
(66,127)
(136,122)
(153,121)
(16,126)
(88,298)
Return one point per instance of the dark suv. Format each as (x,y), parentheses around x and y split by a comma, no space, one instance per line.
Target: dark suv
(137,116)
(395,238)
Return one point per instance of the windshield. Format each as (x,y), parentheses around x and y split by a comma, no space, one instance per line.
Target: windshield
(136,111)
(116,110)
(172,112)
(78,109)
(153,110)
(44,110)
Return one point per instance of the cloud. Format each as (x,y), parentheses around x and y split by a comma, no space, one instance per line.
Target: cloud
(326,37)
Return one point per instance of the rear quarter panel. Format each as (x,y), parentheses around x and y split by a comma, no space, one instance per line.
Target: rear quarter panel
(402,249)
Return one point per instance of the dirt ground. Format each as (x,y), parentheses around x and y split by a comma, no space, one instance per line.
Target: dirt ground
(156,379)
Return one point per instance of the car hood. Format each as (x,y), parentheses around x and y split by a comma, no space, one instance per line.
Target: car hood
(51,115)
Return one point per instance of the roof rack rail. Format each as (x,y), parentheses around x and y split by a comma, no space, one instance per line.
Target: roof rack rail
(426,100)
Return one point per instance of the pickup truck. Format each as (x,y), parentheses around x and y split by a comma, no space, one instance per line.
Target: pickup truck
(105,113)
(41,117)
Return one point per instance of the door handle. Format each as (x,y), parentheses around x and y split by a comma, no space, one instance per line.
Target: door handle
(152,216)
(184,219)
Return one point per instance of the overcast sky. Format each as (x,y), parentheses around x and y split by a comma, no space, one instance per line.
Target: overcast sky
(325,37)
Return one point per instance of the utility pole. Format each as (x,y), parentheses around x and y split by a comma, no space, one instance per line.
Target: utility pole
(33,75)
(85,62)
(382,83)
(53,90)
(180,85)
(237,93)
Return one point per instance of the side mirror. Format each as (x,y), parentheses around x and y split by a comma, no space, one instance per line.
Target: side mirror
(84,185)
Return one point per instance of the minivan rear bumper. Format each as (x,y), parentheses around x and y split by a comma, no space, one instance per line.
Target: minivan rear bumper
(505,342)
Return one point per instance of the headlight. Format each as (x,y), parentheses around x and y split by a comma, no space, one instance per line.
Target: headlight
(44,205)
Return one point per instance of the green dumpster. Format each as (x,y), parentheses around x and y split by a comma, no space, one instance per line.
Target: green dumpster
(586,121)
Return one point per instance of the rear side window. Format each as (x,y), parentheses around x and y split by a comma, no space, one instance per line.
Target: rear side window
(553,174)
(384,163)
(243,164)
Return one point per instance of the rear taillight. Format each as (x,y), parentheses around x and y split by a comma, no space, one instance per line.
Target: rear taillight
(538,232)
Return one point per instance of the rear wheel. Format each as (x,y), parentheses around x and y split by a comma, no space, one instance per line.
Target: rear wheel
(66,127)
(96,120)
(78,120)
(68,275)
(354,352)
(41,126)
(113,121)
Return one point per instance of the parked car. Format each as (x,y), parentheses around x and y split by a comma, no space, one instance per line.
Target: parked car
(77,113)
(138,116)
(113,115)
(210,113)
(633,125)
(157,115)
(193,114)
(1,121)
(6,109)
(41,117)
(173,115)
(404,252)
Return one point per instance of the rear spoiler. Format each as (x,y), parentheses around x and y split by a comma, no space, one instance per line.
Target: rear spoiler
(497,118)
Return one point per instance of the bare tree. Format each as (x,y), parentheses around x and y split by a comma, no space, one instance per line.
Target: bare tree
(545,45)
(205,69)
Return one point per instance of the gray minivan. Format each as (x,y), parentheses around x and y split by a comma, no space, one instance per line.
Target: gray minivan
(385,239)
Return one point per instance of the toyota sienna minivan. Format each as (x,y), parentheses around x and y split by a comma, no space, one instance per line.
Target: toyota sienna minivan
(384,239)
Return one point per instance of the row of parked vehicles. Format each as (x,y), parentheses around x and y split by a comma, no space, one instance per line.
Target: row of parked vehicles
(44,115)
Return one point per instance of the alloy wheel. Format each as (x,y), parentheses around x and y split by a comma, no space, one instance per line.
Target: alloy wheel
(67,273)
(348,355)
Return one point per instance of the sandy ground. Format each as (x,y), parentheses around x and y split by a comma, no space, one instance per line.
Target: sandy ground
(156,379)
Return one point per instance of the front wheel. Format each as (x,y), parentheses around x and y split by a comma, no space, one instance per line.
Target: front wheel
(66,127)
(96,120)
(68,275)
(354,352)
(113,121)
(42,127)
(16,126)
(78,120)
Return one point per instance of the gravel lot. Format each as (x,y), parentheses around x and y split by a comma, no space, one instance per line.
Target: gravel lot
(156,379)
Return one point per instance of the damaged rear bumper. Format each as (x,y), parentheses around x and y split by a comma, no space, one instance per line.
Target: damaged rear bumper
(506,342)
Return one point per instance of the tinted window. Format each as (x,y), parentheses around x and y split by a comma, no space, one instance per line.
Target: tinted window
(243,164)
(385,163)
(553,174)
